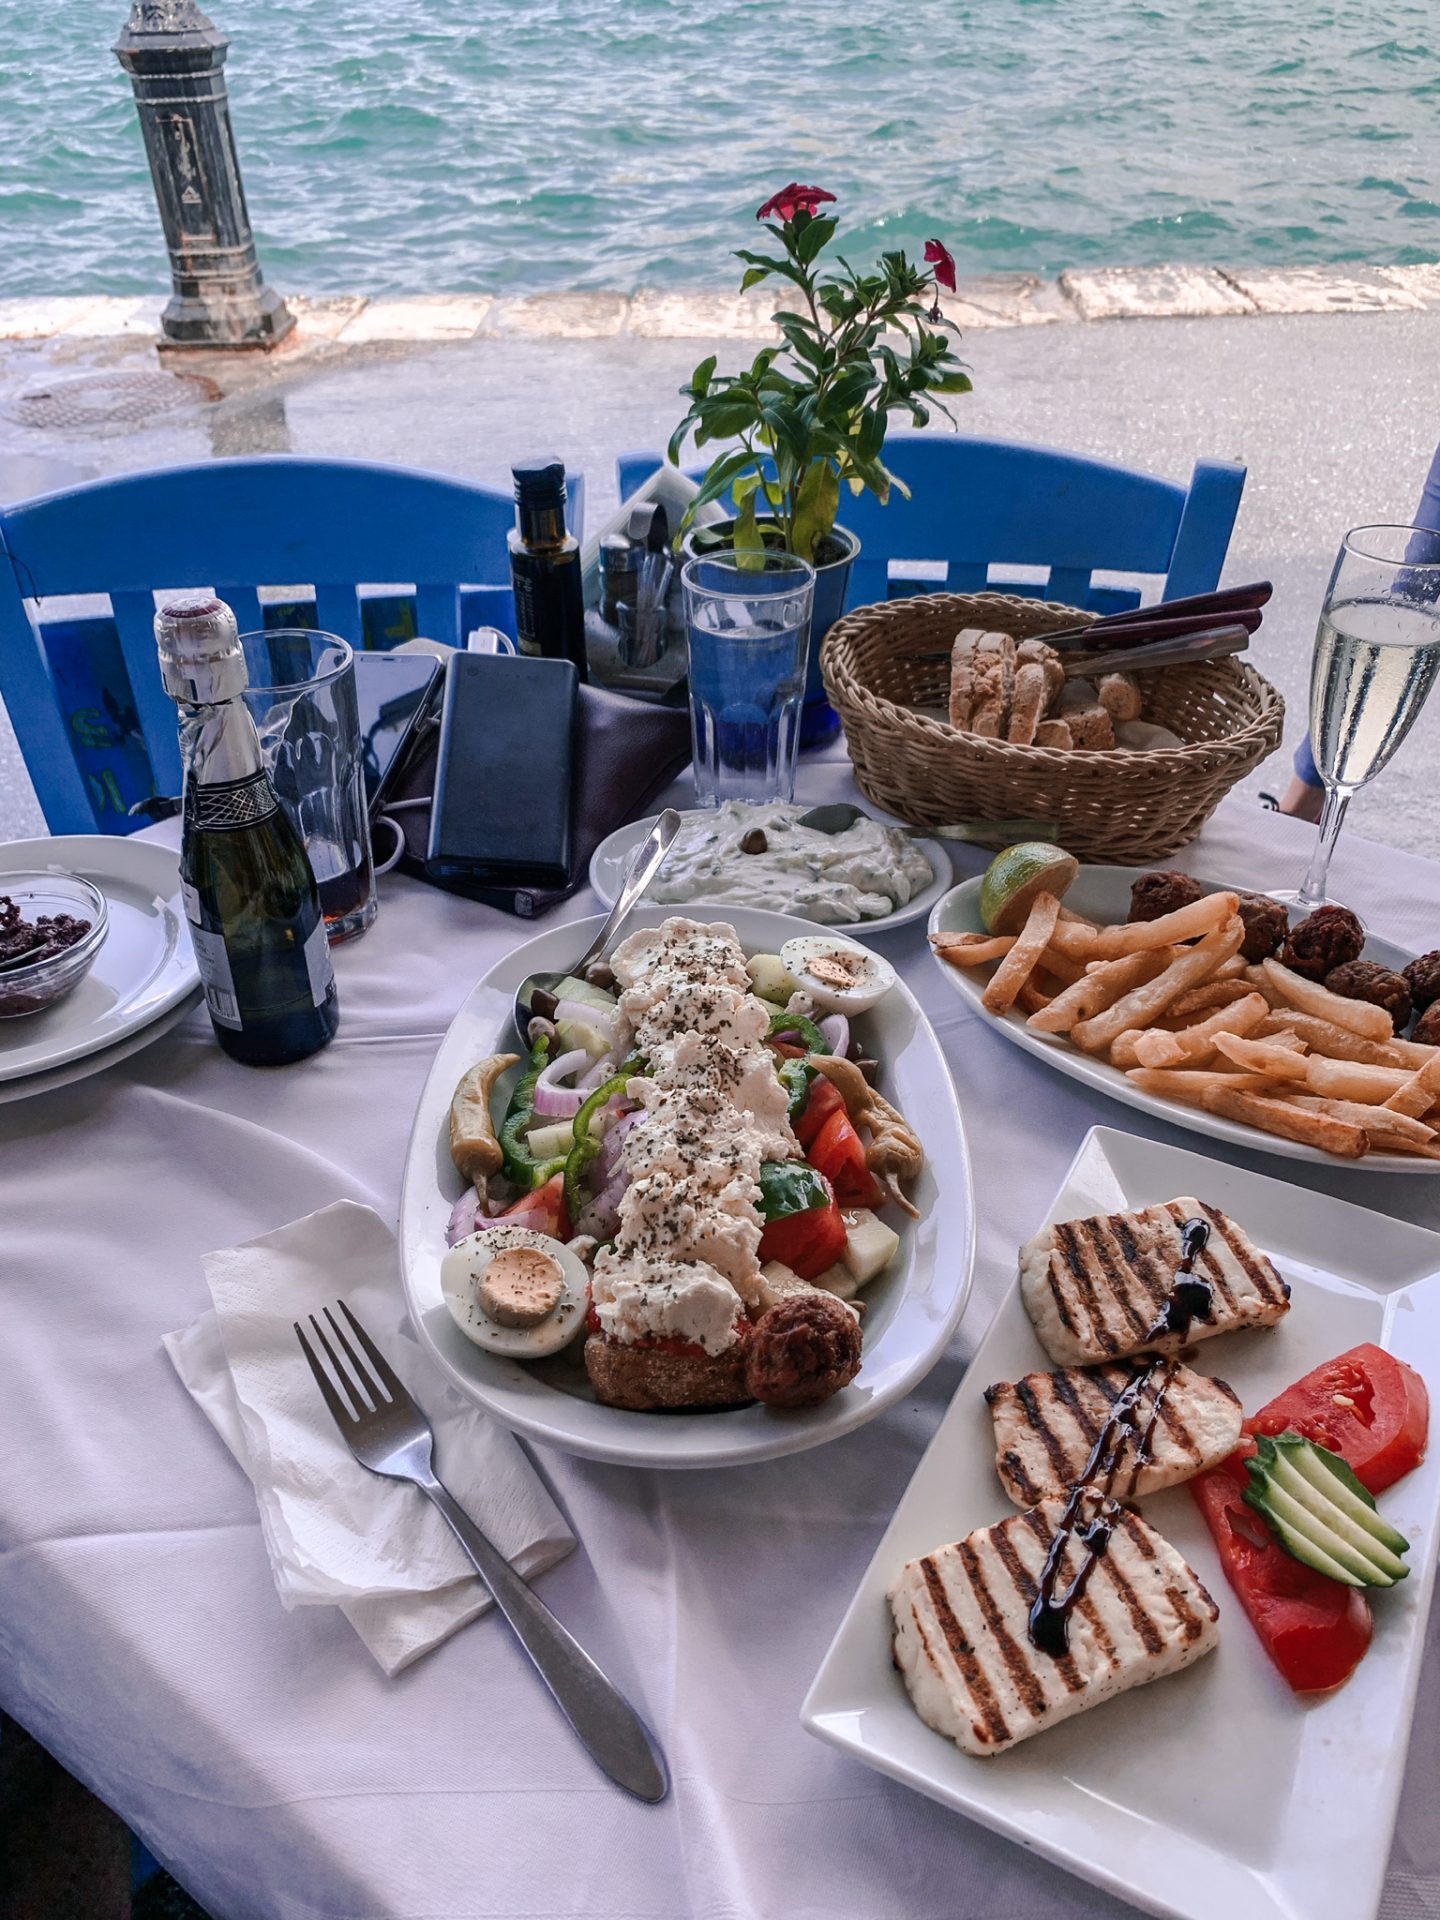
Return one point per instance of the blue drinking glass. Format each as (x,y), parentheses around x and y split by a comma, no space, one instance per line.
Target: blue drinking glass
(748,618)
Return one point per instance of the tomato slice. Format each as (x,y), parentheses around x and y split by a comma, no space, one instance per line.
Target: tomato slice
(807,1242)
(824,1100)
(1365,1405)
(1315,1629)
(548,1200)
(839,1153)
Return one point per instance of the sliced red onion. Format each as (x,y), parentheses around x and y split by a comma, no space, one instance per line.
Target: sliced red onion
(534,1219)
(601,1018)
(598,1074)
(836,1029)
(463,1216)
(602,1216)
(556,1102)
(614,1140)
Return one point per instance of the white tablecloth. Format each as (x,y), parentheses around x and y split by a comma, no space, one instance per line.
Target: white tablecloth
(261,1754)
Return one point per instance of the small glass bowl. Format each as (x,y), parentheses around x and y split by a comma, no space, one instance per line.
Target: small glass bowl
(32,988)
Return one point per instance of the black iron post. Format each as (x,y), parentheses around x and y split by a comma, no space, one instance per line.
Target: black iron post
(175,59)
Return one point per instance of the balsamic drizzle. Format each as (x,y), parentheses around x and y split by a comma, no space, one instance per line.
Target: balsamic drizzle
(1191,1298)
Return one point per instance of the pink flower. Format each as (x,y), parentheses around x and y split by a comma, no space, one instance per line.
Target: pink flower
(939,256)
(792,200)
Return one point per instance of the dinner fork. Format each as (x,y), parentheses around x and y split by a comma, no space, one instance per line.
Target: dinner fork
(388,1433)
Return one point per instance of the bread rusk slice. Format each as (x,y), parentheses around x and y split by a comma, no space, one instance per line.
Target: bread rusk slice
(647,1379)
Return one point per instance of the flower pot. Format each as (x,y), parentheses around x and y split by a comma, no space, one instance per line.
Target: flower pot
(819,721)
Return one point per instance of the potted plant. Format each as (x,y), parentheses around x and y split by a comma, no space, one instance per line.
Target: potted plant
(811,413)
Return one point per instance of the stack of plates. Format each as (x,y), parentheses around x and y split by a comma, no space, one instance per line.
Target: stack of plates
(144,977)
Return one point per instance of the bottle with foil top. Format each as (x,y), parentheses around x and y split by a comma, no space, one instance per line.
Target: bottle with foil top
(250,895)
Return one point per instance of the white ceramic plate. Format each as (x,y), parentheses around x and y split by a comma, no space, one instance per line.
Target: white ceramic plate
(1103,894)
(92,1063)
(912,1309)
(144,969)
(1215,1795)
(611,858)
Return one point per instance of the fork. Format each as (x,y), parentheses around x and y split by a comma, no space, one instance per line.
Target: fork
(389,1434)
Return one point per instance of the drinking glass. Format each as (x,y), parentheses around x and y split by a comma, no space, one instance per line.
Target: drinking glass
(749,630)
(301,697)
(1377,653)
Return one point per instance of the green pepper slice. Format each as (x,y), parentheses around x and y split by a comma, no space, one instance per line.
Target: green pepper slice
(521,1166)
(815,1041)
(587,1146)
(796,1075)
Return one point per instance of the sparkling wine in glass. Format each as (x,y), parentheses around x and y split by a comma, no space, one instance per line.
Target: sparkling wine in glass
(1377,655)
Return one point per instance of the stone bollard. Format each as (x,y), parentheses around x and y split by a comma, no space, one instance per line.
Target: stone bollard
(175,59)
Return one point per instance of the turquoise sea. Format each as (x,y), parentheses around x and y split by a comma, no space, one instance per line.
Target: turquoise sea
(434,145)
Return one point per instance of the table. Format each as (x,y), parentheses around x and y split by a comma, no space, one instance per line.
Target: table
(262,1755)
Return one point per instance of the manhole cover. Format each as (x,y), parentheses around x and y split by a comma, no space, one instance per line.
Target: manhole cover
(110,399)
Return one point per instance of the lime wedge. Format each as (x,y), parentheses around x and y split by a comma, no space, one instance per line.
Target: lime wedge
(1015,876)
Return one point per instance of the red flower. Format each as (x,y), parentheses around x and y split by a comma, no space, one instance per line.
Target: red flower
(792,200)
(939,256)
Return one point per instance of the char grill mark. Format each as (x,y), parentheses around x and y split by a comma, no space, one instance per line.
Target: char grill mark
(1054,1446)
(1043,1534)
(1013,1657)
(1119,1287)
(1263,1277)
(1138,1259)
(1015,1468)
(963,1654)
(1023,1581)
(1072,1251)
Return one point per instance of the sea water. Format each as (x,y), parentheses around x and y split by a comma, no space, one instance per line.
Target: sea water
(436,145)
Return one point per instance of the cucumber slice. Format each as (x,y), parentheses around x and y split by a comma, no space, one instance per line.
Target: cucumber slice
(1320,1513)
(572,987)
(551,1138)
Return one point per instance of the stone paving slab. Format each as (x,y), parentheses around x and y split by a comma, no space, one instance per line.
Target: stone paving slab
(40,319)
(1168,292)
(703,316)
(325,317)
(1323,290)
(1423,281)
(1007,300)
(558,316)
(436,316)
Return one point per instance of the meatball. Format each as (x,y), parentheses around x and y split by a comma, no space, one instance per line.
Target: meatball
(1266,925)
(1368,980)
(803,1350)
(1330,938)
(1427,1028)
(1154,894)
(1422,976)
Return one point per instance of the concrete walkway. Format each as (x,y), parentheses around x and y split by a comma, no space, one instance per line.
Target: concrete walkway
(1336,415)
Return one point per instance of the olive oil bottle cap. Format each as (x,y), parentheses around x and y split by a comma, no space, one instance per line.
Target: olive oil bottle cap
(540,482)
(201,660)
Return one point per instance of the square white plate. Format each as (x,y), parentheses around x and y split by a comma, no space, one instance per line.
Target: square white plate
(1218,1794)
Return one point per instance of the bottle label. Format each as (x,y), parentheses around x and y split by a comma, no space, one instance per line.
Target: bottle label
(230,804)
(318,963)
(215,975)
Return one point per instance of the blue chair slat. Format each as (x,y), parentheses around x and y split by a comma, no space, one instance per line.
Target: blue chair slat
(244,603)
(273,521)
(1205,526)
(135,623)
(1069,584)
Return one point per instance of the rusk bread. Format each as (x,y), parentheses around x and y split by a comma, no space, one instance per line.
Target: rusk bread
(646,1379)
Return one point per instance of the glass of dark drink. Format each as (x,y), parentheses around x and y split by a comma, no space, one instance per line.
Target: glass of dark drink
(301,697)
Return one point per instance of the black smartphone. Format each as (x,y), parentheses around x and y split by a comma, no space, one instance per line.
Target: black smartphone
(396,693)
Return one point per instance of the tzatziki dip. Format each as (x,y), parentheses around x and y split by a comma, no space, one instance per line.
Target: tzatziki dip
(763,857)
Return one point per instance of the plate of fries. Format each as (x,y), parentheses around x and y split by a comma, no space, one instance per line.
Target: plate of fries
(1167,1016)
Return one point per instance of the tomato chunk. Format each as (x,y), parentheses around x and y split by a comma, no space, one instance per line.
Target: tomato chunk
(1315,1629)
(824,1100)
(839,1153)
(548,1201)
(1365,1405)
(807,1242)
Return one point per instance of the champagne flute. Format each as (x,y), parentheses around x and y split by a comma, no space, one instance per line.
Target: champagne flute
(1377,655)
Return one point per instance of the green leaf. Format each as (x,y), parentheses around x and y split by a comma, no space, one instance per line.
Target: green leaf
(954,383)
(752,277)
(813,237)
(719,475)
(816,505)
(745,535)
(790,1186)
(700,379)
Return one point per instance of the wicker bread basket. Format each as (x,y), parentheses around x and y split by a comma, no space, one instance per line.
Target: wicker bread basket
(1115,806)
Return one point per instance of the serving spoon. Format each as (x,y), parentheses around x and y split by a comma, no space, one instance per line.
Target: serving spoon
(644,862)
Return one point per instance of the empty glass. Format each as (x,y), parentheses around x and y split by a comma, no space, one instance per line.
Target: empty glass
(301,697)
(749,629)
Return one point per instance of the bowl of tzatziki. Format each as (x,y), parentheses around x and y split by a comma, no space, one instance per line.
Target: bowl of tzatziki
(870,876)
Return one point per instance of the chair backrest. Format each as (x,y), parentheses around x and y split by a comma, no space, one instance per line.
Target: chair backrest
(232,526)
(978,507)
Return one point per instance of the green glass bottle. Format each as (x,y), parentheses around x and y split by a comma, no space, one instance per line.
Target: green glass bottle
(249,891)
(545,565)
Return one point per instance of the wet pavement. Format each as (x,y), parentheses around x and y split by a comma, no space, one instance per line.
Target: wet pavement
(1336,416)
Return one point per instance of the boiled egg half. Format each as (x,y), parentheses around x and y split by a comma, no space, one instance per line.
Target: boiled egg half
(515,1291)
(838,975)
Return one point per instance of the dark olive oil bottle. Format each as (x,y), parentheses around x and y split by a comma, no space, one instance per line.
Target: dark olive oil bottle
(545,566)
(249,890)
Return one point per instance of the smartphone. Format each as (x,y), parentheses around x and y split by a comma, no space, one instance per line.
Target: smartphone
(396,693)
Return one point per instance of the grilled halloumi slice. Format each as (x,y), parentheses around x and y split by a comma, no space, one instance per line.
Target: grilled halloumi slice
(1047,1424)
(962,1640)
(1095,1288)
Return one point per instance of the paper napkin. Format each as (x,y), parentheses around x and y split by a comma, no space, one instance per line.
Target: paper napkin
(336,1534)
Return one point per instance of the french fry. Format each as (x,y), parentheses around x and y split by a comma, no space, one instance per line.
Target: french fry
(1323,1036)
(1195,1044)
(1031,997)
(1288,1122)
(1094,991)
(1188,1084)
(1359,1016)
(1261,981)
(1417,1094)
(1141,1006)
(1204,1000)
(1122,1048)
(1379,1122)
(1260,1056)
(1232,969)
(1022,959)
(971,949)
(1076,938)
(1412,1053)
(1062,967)
(1351,1080)
(1078,919)
(1191,922)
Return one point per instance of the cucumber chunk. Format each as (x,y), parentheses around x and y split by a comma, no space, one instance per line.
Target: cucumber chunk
(1320,1513)
(771,978)
(570,1034)
(572,987)
(551,1138)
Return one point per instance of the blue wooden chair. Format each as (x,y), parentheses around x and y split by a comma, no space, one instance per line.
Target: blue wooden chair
(980,508)
(232,526)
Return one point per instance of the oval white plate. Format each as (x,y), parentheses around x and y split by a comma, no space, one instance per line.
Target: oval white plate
(912,1309)
(1103,894)
(612,856)
(145,967)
